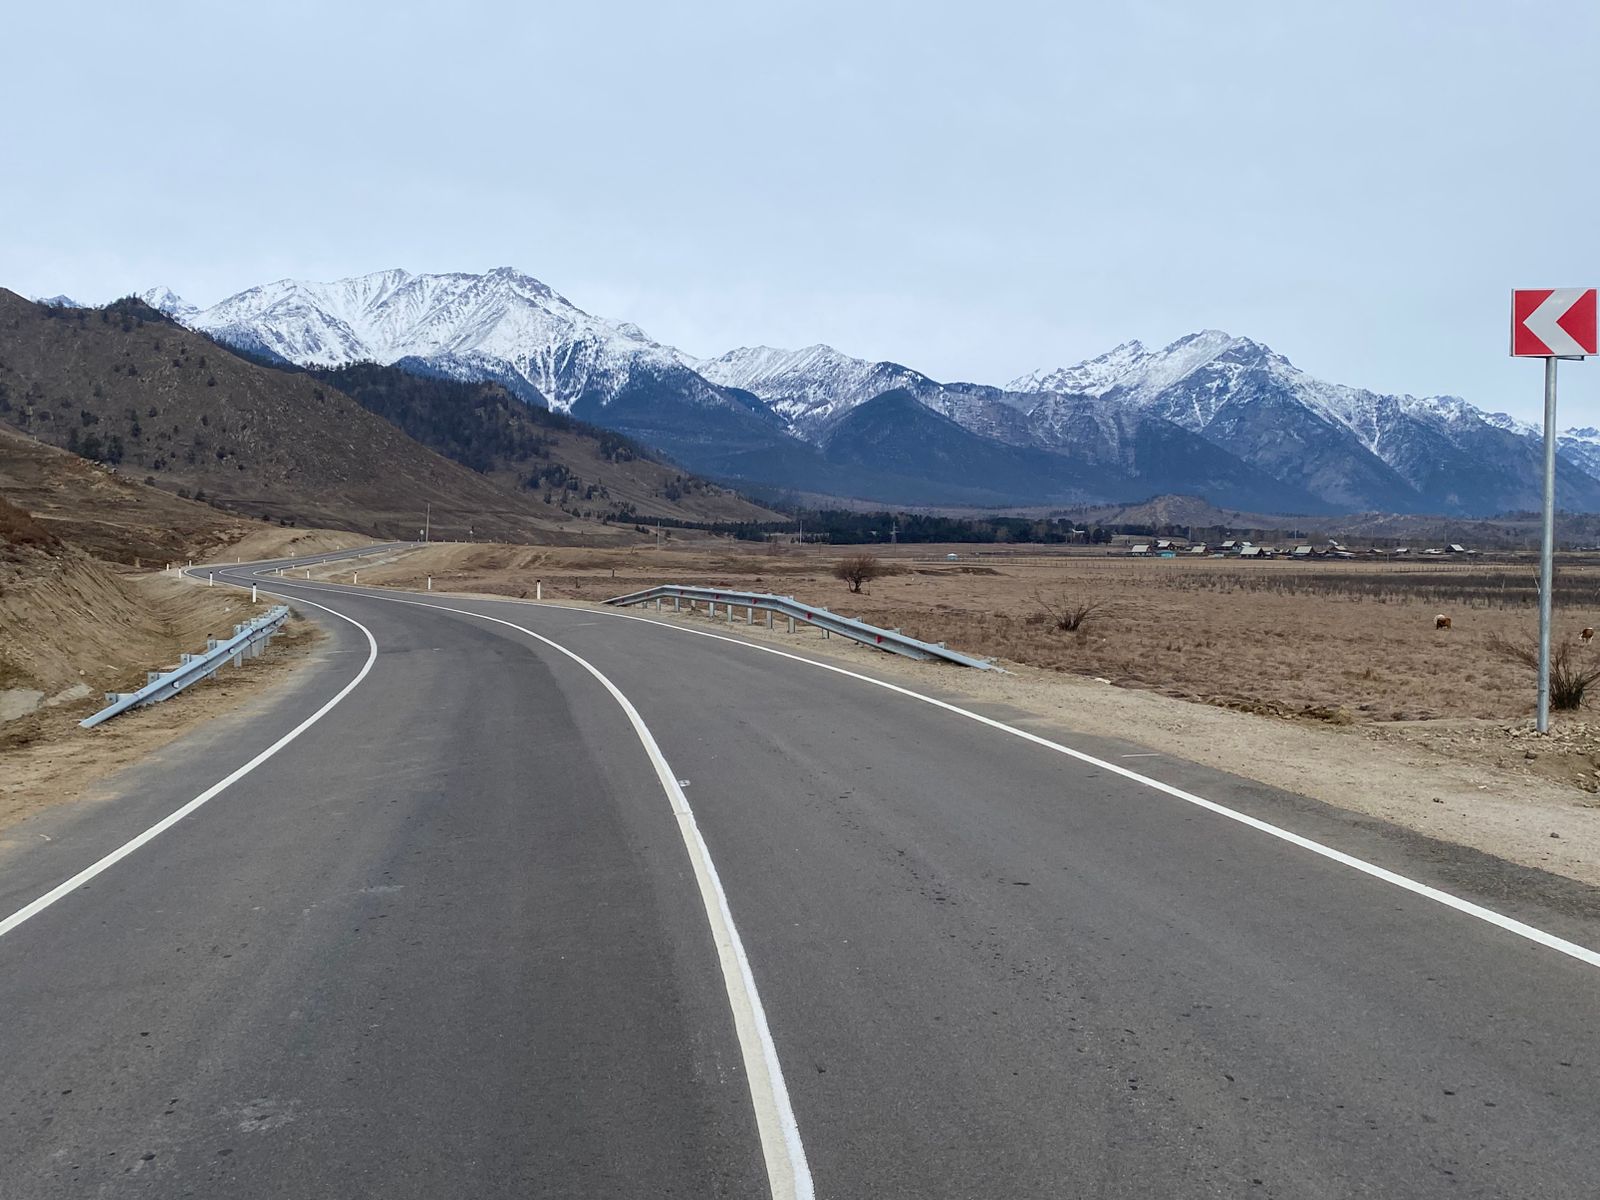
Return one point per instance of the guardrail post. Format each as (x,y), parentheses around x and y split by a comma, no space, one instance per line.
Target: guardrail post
(730,614)
(749,614)
(677,604)
(769,618)
(712,609)
(658,603)
(791,624)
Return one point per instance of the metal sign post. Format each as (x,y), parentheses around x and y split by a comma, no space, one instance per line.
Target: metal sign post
(1552,324)
(1547,545)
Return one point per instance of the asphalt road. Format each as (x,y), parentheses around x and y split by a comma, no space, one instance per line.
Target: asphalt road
(453,940)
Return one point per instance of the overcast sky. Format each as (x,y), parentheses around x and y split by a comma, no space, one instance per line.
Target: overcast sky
(975,190)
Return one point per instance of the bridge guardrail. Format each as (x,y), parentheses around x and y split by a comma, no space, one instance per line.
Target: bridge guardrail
(891,640)
(248,640)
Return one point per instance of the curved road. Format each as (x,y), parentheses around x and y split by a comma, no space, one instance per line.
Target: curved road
(551,902)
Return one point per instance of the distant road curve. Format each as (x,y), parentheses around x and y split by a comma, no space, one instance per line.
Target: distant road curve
(509,899)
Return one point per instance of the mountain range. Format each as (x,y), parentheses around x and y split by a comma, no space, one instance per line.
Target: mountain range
(364,447)
(1211,414)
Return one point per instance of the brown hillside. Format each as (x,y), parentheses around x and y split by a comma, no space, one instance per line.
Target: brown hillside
(106,512)
(126,386)
(577,467)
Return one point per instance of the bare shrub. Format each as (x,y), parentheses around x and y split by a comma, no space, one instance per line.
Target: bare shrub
(858,569)
(1570,677)
(1068,613)
(19,528)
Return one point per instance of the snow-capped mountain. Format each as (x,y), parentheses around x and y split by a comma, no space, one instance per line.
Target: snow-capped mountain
(61,301)
(1581,446)
(1350,446)
(504,325)
(808,388)
(1220,415)
(165,300)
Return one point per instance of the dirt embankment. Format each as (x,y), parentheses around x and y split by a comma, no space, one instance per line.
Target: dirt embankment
(279,542)
(1302,680)
(75,628)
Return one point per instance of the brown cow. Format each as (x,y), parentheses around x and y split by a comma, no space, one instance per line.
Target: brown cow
(1441,622)
(1585,635)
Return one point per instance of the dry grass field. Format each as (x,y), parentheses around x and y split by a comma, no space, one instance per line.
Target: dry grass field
(1343,642)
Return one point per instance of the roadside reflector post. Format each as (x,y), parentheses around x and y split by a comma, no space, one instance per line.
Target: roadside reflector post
(430,583)
(1552,324)
(252,593)
(355,577)
(538,589)
(211,580)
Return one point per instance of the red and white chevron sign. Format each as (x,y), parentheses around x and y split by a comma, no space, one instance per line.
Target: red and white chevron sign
(1553,323)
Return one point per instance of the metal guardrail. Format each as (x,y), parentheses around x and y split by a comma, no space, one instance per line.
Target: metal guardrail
(247,641)
(891,640)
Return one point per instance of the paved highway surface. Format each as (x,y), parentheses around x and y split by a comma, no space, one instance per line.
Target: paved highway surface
(634,912)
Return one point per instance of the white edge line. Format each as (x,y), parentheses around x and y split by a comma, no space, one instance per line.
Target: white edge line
(121,852)
(788,1173)
(1510,924)
(1534,934)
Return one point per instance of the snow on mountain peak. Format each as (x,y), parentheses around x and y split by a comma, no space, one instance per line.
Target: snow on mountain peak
(502,324)
(809,387)
(165,300)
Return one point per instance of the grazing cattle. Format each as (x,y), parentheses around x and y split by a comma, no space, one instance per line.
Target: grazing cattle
(1441,622)
(1585,635)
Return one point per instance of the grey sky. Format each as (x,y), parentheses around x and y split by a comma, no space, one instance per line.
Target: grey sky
(973,189)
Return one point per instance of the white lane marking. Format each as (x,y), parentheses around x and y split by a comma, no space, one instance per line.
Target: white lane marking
(1510,924)
(1477,911)
(788,1174)
(121,852)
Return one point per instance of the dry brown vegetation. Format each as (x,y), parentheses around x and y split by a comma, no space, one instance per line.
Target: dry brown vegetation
(857,570)
(1348,643)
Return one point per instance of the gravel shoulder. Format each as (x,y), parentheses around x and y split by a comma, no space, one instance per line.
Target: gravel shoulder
(48,760)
